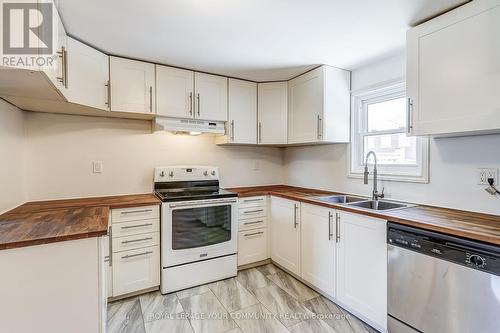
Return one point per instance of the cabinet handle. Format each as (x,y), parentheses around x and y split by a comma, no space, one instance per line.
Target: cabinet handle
(255,222)
(198,99)
(108,93)
(136,226)
(409,115)
(253,211)
(65,67)
(63,54)
(252,200)
(136,211)
(191,103)
(254,234)
(110,246)
(232,130)
(330,233)
(295,223)
(319,127)
(260,132)
(137,255)
(150,99)
(337,227)
(136,240)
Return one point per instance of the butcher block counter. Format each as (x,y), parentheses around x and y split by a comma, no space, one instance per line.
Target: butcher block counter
(42,222)
(475,226)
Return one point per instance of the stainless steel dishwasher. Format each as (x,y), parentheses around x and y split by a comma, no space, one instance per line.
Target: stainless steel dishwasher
(440,283)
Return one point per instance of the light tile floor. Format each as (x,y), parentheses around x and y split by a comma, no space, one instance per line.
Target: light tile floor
(261,299)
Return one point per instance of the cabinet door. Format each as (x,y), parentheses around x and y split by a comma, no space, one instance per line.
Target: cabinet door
(252,246)
(453,75)
(132,85)
(362,266)
(318,247)
(58,73)
(211,97)
(285,233)
(88,76)
(175,92)
(305,103)
(242,112)
(136,270)
(272,113)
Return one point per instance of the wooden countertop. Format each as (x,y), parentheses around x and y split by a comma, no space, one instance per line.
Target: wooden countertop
(475,226)
(42,222)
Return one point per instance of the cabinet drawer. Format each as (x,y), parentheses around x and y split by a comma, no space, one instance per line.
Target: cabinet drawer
(135,241)
(135,270)
(252,246)
(135,213)
(135,227)
(252,212)
(252,202)
(253,223)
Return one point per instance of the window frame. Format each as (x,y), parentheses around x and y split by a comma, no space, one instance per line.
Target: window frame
(360,100)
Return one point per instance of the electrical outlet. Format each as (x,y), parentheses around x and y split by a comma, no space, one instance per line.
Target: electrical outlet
(96,167)
(484,173)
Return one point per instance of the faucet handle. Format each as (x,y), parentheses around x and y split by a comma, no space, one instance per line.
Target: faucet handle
(382,195)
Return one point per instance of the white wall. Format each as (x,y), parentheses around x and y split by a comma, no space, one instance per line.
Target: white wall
(61,148)
(12,148)
(453,161)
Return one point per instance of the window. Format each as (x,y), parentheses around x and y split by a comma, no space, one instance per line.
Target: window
(379,125)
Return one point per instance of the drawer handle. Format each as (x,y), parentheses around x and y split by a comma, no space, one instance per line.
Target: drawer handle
(136,211)
(252,200)
(254,234)
(137,255)
(253,211)
(136,226)
(246,223)
(137,240)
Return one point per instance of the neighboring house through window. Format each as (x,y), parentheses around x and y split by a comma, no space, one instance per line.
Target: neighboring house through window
(378,123)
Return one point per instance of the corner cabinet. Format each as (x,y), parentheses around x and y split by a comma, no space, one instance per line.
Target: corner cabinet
(272,113)
(285,233)
(319,107)
(132,85)
(318,247)
(453,72)
(362,267)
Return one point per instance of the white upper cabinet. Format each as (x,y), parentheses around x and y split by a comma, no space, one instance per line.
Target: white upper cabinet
(318,248)
(319,106)
(132,86)
(174,92)
(88,76)
(285,233)
(211,97)
(242,120)
(272,113)
(453,72)
(362,267)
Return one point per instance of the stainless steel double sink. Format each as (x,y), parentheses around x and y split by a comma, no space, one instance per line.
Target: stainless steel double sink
(362,203)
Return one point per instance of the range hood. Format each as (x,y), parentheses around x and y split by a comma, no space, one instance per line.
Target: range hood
(187,125)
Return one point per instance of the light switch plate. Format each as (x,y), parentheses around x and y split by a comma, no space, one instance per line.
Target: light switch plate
(96,167)
(484,173)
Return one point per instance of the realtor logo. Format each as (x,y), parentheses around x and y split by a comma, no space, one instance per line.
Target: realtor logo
(27,28)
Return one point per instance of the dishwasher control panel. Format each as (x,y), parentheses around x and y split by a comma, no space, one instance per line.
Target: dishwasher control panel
(473,254)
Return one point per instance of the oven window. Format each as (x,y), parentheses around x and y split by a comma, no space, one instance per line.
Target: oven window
(196,227)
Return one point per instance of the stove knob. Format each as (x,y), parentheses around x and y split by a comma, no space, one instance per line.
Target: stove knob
(162,174)
(213,172)
(171,173)
(477,260)
(205,173)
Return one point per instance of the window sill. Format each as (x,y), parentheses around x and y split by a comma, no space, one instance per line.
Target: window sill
(392,178)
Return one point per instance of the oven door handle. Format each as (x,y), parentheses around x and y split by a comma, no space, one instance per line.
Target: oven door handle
(201,203)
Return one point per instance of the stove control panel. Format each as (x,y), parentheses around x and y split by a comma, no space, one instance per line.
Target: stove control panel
(185,173)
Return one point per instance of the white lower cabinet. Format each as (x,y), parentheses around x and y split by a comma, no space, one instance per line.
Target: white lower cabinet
(285,233)
(252,246)
(135,270)
(318,247)
(362,267)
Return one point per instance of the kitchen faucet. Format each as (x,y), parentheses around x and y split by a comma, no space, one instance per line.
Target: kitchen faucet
(375,194)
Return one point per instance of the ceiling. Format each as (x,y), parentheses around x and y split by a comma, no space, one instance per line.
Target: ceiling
(260,40)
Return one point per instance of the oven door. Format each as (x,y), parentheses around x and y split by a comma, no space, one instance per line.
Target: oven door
(198,230)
